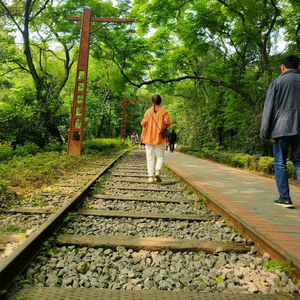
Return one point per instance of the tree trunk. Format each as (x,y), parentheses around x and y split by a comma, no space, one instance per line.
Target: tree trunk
(100,127)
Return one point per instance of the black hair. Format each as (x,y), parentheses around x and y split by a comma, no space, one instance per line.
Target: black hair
(156,99)
(291,62)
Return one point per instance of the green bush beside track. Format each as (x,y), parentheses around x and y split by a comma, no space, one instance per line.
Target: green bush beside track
(262,164)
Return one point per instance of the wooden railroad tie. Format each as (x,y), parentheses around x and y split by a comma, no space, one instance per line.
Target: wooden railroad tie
(133,166)
(145,199)
(150,243)
(144,169)
(33,210)
(129,171)
(57,194)
(70,184)
(140,181)
(142,215)
(144,175)
(88,173)
(115,214)
(119,187)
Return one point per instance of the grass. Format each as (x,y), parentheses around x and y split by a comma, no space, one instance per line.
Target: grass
(49,247)
(31,173)
(12,228)
(283,266)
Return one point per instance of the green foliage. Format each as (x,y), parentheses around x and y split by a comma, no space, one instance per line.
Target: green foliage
(283,266)
(69,217)
(55,146)
(45,167)
(12,228)
(27,149)
(212,62)
(256,163)
(39,203)
(189,191)
(98,188)
(49,247)
(102,145)
(266,165)
(3,187)
(6,152)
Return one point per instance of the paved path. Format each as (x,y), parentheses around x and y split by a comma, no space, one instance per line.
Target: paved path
(246,195)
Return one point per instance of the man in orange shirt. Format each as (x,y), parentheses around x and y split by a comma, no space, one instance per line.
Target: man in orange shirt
(155,119)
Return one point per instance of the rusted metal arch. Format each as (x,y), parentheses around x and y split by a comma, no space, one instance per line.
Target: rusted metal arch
(77,113)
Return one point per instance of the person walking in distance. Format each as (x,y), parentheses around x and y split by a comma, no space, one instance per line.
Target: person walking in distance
(155,119)
(142,144)
(172,140)
(281,124)
(132,138)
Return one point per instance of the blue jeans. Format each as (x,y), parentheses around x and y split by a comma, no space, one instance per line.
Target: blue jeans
(280,150)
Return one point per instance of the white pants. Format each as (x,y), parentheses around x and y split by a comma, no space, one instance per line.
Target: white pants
(151,150)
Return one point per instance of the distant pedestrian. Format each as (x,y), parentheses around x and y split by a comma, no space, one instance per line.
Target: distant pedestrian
(132,138)
(155,119)
(172,140)
(142,144)
(137,138)
(167,144)
(281,124)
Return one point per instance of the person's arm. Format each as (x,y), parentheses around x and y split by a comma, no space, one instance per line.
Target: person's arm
(167,120)
(145,120)
(268,113)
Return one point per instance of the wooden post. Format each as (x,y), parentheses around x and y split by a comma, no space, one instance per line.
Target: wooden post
(77,112)
(123,125)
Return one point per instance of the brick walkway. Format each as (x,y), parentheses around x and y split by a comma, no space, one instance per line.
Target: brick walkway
(246,195)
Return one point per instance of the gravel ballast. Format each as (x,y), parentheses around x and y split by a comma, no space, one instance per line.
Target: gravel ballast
(126,269)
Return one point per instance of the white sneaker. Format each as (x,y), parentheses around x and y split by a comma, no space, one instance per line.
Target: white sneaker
(151,179)
(157,176)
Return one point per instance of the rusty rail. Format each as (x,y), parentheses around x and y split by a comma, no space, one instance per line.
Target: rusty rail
(263,245)
(13,265)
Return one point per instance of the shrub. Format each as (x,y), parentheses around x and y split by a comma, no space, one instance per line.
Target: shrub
(183,149)
(27,149)
(254,162)
(266,165)
(55,146)
(3,187)
(238,160)
(291,170)
(210,146)
(6,152)
(241,160)
(102,145)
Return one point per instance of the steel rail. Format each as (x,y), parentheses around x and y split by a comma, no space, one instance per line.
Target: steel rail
(263,244)
(13,265)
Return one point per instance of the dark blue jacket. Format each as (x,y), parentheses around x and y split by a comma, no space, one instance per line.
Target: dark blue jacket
(281,114)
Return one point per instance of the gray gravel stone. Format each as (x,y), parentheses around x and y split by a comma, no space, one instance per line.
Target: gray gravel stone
(82,267)
(52,280)
(127,269)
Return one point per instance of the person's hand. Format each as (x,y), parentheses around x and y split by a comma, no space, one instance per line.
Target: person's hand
(272,141)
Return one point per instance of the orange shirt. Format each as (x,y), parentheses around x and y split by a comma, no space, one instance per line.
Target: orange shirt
(151,134)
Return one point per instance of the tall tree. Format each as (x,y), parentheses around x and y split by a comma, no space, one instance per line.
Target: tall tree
(28,19)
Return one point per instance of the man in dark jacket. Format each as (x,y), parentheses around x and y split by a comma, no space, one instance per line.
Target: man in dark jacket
(172,140)
(281,124)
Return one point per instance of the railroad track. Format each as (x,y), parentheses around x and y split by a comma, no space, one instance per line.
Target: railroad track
(120,237)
